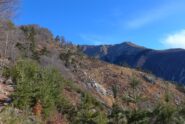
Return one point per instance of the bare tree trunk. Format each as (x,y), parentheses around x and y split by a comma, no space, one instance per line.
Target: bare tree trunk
(12,54)
(6,44)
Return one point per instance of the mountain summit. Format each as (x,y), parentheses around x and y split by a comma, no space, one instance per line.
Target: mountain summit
(167,64)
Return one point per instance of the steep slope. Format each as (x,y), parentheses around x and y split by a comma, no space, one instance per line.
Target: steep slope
(167,64)
(90,85)
(92,75)
(99,77)
(118,54)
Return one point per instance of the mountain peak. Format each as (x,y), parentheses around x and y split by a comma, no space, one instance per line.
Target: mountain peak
(131,44)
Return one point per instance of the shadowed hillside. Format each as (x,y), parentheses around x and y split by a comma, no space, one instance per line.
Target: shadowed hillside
(167,64)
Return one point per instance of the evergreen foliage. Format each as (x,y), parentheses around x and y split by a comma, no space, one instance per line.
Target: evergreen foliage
(35,83)
(89,111)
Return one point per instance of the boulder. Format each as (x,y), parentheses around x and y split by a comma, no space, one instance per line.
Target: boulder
(149,78)
(9,82)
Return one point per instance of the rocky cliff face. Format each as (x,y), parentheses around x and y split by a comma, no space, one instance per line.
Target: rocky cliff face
(167,64)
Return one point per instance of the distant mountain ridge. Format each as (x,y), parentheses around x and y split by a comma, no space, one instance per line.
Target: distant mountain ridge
(168,64)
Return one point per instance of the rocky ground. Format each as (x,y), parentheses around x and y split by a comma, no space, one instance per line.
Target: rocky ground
(6,89)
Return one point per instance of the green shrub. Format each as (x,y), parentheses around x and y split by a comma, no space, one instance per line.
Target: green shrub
(9,115)
(89,111)
(35,83)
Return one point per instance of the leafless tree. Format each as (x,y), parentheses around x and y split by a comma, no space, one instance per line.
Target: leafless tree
(8,8)
(8,34)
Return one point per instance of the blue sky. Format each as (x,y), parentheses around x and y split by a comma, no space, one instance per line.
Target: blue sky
(158,24)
